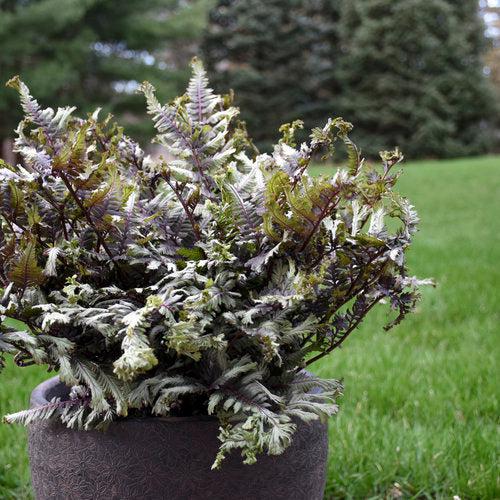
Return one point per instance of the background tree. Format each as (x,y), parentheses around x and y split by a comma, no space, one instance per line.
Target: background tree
(490,10)
(92,52)
(492,60)
(412,75)
(279,56)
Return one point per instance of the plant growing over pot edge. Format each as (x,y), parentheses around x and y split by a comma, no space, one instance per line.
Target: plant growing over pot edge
(204,283)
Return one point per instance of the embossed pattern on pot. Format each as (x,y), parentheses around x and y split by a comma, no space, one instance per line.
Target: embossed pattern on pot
(166,458)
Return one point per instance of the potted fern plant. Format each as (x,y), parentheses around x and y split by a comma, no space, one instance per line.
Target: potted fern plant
(181,300)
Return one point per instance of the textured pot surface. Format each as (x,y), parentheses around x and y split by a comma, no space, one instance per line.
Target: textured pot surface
(166,458)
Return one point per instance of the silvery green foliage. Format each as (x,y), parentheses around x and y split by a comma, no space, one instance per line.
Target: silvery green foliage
(200,284)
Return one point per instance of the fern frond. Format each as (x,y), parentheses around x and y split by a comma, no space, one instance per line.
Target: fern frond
(115,389)
(31,108)
(86,373)
(170,395)
(240,367)
(146,391)
(246,217)
(53,255)
(25,271)
(43,412)
(138,357)
(202,100)
(165,119)
(258,262)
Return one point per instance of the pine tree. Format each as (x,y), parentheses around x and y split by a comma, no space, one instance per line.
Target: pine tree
(412,75)
(93,53)
(279,56)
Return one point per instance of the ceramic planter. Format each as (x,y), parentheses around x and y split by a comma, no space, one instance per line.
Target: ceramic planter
(165,458)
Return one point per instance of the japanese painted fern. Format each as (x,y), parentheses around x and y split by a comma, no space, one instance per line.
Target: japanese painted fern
(202,283)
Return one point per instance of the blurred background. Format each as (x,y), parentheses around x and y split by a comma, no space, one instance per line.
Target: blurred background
(421,74)
(420,416)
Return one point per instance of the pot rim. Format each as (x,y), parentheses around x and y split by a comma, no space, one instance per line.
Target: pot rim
(39,398)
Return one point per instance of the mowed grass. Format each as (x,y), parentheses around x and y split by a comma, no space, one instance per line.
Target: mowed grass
(420,412)
(419,418)
(15,387)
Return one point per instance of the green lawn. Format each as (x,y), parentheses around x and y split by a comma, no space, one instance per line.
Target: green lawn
(421,401)
(420,411)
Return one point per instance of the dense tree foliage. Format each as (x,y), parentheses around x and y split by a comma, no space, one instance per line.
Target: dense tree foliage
(200,285)
(91,53)
(412,74)
(279,56)
(407,72)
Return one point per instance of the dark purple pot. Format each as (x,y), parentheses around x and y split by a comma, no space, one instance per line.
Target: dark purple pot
(166,458)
